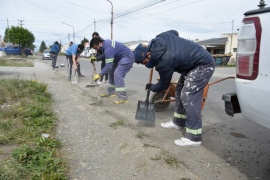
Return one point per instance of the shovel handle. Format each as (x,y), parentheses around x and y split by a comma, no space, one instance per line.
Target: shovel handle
(148,91)
(150,76)
(94,67)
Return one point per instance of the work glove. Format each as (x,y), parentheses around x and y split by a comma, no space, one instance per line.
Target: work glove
(92,59)
(148,87)
(96,77)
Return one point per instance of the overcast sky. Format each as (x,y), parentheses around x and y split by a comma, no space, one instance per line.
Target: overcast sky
(133,19)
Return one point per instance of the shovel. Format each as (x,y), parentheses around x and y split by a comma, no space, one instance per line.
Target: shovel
(62,65)
(92,84)
(145,110)
(74,79)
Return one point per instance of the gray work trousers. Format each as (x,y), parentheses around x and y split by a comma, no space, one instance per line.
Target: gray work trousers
(188,97)
(117,77)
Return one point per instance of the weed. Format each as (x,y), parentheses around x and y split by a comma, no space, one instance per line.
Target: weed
(156,157)
(10,169)
(141,134)
(150,145)
(108,112)
(16,63)
(169,159)
(25,114)
(117,123)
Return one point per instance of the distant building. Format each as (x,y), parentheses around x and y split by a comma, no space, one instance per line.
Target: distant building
(133,44)
(223,46)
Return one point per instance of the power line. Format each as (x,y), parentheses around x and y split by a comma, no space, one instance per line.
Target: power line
(21,22)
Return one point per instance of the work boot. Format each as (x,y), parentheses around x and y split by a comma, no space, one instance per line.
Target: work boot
(170,125)
(183,142)
(107,95)
(121,101)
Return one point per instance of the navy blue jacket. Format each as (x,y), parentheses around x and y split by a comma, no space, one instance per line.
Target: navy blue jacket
(55,49)
(171,53)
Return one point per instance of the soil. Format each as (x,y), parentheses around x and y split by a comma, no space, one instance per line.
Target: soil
(101,140)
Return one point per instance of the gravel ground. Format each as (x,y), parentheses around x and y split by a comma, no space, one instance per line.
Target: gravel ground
(104,141)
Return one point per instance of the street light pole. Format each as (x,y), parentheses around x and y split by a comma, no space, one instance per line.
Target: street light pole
(111,20)
(73,31)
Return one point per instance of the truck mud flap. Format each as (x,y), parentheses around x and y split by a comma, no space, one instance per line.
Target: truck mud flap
(231,103)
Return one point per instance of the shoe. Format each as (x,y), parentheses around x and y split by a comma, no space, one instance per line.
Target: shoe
(183,142)
(99,83)
(170,125)
(121,101)
(105,81)
(54,69)
(107,95)
(69,78)
(56,66)
(80,75)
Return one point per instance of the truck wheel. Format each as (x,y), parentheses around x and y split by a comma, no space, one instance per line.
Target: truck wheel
(160,106)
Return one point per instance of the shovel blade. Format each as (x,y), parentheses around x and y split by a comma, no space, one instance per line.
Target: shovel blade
(145,111)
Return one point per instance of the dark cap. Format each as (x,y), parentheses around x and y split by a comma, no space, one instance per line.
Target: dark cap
(140,53)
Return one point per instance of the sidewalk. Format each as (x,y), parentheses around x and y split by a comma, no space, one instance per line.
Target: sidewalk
(95,142)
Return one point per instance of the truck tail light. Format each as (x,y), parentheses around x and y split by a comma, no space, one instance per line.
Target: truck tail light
(244,64)
(248,48)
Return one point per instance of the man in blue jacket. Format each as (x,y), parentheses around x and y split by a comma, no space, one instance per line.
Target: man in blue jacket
(53,53)
(169,53)
(119,60)
(73,54)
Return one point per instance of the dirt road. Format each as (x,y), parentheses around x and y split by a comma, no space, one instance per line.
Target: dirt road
(104,141)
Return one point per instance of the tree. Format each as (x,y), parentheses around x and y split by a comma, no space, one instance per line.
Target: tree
(42,46)
(19,35)
(84,41)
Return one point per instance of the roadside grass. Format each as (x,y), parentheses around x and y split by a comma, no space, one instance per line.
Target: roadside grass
(117,123)
(166,157)
(25,114)
(17,62)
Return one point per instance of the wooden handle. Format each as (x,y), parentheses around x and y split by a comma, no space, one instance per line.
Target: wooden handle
(150,76)
(94,67)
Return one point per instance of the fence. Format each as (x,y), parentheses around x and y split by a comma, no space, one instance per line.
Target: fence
(222,59)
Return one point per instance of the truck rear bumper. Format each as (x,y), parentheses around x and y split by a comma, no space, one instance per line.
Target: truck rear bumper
(231,103)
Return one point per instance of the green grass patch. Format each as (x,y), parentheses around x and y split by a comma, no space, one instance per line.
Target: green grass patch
(117,123)
(167,158)
(25,114)
(17,62)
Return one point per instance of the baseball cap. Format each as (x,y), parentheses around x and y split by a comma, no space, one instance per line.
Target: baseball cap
(140,53)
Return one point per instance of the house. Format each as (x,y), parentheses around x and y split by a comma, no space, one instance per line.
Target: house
(133,44)
(224,47)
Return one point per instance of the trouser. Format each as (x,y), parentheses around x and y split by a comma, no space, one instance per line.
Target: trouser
(106,75)
(54,59)
(69,58)
(188,100)
(117,75)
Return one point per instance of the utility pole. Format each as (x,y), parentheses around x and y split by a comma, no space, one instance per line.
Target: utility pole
(231,38)
(111,20)
(73,31)
(68,38)
(94,25)
(7,31)
(21,22)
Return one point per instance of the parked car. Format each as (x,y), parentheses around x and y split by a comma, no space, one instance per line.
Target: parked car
(252,82)
(46,54)
(28,51)
(10,50)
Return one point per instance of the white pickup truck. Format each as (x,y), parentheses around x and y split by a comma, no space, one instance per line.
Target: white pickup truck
(252,96)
